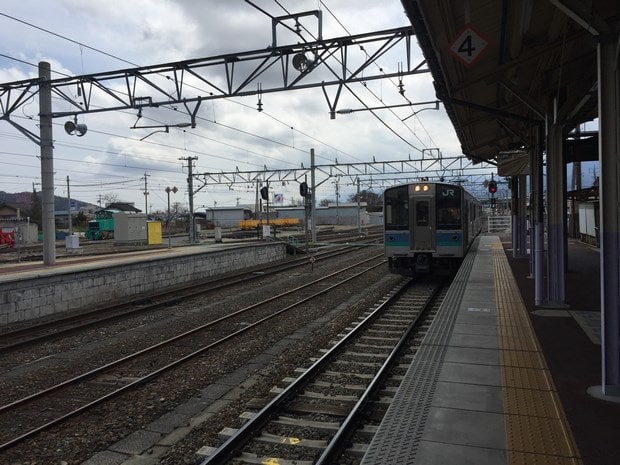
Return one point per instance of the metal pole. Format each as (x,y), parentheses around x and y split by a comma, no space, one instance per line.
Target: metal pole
(267,199)
(609,99)
(521,181)
(146,194)
(337,203)
(174,190)
(168,218)
(47,164)
(313,198)
(306,216)
(190,183)
(539,225)
(190,186)
(69,207)
(359,207)
(555,216)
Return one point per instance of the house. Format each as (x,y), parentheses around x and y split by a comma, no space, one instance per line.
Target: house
(124,207)
(11,220)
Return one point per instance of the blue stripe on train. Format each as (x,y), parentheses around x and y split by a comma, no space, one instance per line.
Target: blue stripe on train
(397,239)
(449,238)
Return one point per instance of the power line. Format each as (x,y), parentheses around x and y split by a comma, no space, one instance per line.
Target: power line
(393,83)
(369,90)
(81,44)
(67,39)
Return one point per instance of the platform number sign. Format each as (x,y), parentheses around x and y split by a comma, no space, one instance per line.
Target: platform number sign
(469,46)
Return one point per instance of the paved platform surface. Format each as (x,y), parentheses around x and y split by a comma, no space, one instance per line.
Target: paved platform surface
(497,381)
(77,262)
(570,341)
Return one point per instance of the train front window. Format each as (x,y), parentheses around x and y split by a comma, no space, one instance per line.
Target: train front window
(396,214)
(421,213)
(448,208)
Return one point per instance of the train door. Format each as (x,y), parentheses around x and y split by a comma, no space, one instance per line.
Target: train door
(423,223)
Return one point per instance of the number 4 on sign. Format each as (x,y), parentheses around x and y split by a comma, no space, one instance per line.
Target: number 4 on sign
(469,46)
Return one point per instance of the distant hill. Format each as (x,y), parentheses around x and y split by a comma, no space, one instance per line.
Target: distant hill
(23,199)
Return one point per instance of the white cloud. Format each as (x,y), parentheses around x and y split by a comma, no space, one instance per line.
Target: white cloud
(229,134)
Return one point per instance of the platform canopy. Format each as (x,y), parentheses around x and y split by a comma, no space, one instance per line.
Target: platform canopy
(502,66)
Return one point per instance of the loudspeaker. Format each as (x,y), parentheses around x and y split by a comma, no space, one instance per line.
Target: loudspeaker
(73,128)
(301,62)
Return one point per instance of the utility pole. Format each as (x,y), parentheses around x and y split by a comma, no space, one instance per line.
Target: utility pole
(359,209)
(257,206)
(146,193)
(190,187)
(69,207)
(313,198)
(306,214)
(337,203)
(47,164)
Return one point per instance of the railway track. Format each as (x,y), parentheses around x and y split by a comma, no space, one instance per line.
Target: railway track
(328,413)
(35,412)
(38,333)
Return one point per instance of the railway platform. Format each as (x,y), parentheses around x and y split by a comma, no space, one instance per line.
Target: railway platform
(31,290)
(499,381)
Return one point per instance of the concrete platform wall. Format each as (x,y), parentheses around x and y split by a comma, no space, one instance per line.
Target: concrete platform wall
(26,299)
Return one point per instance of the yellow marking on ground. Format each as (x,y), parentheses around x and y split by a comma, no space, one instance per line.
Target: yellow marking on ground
(291,441)
(271,461)
(537,432)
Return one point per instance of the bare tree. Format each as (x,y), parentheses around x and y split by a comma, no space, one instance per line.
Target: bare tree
(109,198)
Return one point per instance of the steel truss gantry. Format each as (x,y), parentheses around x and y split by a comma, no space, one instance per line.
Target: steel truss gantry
(368,173)
(322,63)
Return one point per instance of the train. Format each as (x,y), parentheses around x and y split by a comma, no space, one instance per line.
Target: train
(102,227)
(429,227)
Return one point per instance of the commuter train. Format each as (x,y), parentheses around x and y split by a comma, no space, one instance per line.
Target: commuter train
(429,226)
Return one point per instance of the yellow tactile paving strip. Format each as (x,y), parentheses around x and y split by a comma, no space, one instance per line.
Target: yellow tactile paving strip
(537,432)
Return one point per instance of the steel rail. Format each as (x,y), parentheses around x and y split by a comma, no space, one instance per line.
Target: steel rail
(156,373)
(139,305)
(339,441)
(245,433)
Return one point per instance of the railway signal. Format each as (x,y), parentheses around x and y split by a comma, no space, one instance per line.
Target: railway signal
(492,187)
(303,189)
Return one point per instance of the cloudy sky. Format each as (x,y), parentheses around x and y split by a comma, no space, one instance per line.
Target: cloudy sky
(81,37)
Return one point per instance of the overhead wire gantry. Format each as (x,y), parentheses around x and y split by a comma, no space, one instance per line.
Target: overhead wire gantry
(277,68)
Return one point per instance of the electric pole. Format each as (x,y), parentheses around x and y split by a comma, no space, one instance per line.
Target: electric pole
(47,164)
(146,193)
(190,189)
(313,198)
(69,207)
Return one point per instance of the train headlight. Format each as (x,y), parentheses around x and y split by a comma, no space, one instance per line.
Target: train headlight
(425,187)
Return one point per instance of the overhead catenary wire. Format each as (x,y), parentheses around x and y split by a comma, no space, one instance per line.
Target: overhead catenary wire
(135,155)
(367,88)
(390,79)
(83,45)
(245,150)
